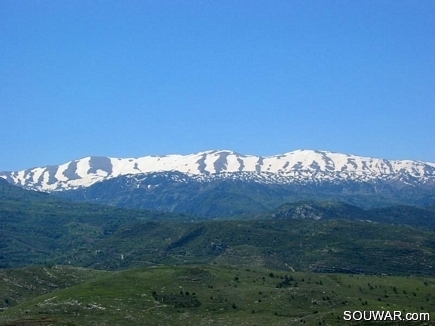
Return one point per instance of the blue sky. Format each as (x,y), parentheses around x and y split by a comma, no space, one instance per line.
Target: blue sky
(136,78)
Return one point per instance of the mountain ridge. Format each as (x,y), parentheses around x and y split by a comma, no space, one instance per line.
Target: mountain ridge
(299,166)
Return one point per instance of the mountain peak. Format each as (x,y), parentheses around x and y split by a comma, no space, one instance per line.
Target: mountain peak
(299,166)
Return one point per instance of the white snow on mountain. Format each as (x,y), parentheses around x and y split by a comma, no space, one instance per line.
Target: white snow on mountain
(296,166)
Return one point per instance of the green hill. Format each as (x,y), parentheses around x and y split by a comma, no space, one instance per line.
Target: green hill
(38,229)
(334,245)
(220,295)
(421,217)
(35,226)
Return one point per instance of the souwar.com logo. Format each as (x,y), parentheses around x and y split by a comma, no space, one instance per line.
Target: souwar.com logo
(382,315)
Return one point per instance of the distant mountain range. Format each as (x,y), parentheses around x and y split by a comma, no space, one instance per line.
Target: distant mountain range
(215,183)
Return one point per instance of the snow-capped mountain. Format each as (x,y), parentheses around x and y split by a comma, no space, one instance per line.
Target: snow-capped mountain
(300,166)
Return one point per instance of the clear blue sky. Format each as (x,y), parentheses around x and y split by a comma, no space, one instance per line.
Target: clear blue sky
(135,78)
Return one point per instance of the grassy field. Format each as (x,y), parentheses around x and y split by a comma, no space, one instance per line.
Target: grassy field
(203,295)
